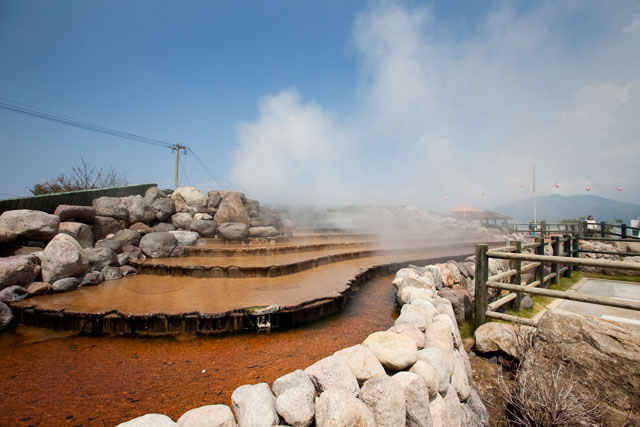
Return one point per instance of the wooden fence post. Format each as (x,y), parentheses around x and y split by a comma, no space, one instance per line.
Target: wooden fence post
(603,234)
(481,278)
(555,245)
(539,250)
(623,231)
(567,251)
(584,229)
(517,279)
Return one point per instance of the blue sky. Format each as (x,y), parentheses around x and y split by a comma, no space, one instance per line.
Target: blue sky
(424,103)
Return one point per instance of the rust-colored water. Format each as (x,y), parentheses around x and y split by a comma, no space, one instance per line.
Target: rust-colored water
(55,379)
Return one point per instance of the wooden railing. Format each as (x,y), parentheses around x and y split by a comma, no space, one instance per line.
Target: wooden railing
(601,230)
(566,251)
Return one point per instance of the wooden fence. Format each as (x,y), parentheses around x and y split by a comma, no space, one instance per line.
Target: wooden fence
(601,230)
(49,202)
(566,251)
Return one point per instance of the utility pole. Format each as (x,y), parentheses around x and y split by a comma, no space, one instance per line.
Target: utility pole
(177,148)
(534,193)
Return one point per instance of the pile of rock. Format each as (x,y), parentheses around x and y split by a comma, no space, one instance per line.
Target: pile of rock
(84,245)
(416,373)
(631,247)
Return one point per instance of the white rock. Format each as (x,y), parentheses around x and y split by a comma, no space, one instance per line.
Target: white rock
(494,336)
(426,307)
(438,335)
(332,372)
(438,409)
(186,238)
(193,197)
(63,257)
(453,329)
(362,362)
(416,399)
(339,408)
(429,376)
(394,351)
(254,406)
(404,273)
(208,416)
(385,397)
(296,406)
(440,363)
(412,316)
(295,379)
(411,331)
(149,420)
(454,410)
(459,379)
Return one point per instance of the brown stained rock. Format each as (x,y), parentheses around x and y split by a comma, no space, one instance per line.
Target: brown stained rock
(79,231)
(31,224)
(232,209)
(18,270)
(104,225)
(39,288)
(84,214)
(461,300)
(141,228)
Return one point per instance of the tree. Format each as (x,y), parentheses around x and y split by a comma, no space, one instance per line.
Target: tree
(82,177)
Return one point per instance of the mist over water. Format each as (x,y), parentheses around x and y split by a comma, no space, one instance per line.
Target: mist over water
(455,110)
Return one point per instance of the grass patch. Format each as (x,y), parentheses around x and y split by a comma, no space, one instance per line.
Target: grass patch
(467,329)
(634,278)
(540,302)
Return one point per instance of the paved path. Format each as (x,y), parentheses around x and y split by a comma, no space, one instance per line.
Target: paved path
(607,288)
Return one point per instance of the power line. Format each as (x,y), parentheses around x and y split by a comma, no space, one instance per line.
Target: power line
(57,118)
(209,171)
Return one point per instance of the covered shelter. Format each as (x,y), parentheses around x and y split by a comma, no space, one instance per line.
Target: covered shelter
(464,212)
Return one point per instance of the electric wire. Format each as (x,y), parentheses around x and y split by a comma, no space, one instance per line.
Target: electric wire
(213,176)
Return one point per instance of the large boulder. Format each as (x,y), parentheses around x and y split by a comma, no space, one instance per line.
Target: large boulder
(127,237)
(208,416)
(429,377)
(254,406)
(158,244)
(494,336)
(18,270)
(263,232)
(149,420)
(65,285)
(138,210)
(296,406)
(232,209)
(295,379)
(214,199)
(112,207)
(100,258)
(186,238)
(384,396)
(461,301)
(416,398)
(204,227)
(104,225)
(189,199)
(182,220)
(362,362)
(7,236)
(63,257)
(6,316)
(440,363)
(598,361)
(233,231)
(164,208)
(339,408)
(332,372)
(31,224)
(84,214)
(79,231)
(394,351)
(13,293)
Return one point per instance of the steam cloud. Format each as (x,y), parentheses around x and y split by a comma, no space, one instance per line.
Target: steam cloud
(452,108)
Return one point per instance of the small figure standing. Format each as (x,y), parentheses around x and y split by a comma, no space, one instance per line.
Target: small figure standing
(591,226)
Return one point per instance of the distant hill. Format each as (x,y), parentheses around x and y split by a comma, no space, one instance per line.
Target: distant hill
(553,208)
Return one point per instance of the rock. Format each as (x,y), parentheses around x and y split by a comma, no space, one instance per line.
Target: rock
(158,244)
(149,420)
(455,272)
(332,372)
(39,288)
(112,207)
(208,416)
(438,335)
(461,302)
(263,232)
(454,410)
(440,363)
(163,226)
(409,294)
(425,307)
(182,220)
(438,409)
(254,406)
(65,285)
(203,216)
(111,244)
(141,228)
(437,276)
(412,316)
(429,376)
(384,396)
(63,257)
(18,270)
(232,209)
(297,379)
(213,200)
(204,227)
(339,408)
(394,351)
(361,361)
(100,258)
(31,224)
(178,251)
(233,231)
(494,336)
(13,293)
(133,252)
(410,331)
(90,279)
(164,208)
(79,231)
(152,194)
(138,211)
(296,406)
(7,236)
(84,214)
(122,259)
(459,379)
(110,273)
(526,302)
(104,225)
(6,316)
(416,399)
(127,237)
(192,197)
(600,363)
(127,270)
(474,413)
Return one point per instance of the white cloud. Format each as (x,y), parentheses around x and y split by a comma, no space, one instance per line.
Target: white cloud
(634,25)
(454,112)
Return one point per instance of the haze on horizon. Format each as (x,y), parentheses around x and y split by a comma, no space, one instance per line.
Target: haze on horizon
(381,102)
